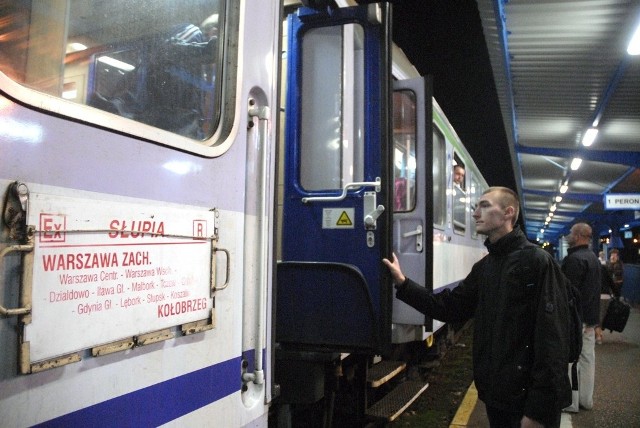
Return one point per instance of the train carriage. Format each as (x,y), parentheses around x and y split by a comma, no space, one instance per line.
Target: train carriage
(157,266)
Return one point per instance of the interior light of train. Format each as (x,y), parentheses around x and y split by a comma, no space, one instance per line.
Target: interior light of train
(634,44)
(553,208)
(589,137)
(575,163)
(75,47)
(558,198)
(564,188)
(116,63)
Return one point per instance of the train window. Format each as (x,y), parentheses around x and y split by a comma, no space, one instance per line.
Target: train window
(439,178)
(332,126)
(475,191)
(459,194)
(404,141)
(156,62)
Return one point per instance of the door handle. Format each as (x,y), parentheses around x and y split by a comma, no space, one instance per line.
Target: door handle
(354,185)
(370,219)
(418,234)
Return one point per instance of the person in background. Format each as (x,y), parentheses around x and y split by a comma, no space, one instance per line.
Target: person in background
(615,268)
(583,268)
(606,291)
(459,198)
(458,176)
(519,302)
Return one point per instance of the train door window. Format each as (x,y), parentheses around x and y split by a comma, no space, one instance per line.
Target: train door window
(439,178)
(459,194)
(156,62)
(475,191)
(404,142)
(332,126)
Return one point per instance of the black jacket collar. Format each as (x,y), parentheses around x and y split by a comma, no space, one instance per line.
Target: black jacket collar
(576,248)
(508,243)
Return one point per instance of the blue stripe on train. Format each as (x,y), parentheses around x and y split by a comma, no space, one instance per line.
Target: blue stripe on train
(158,404)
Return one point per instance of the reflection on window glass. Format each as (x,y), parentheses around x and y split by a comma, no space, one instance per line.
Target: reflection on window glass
(459,193)
(404,159)
(332,121)
(474,194)
(439,178)
(153,61)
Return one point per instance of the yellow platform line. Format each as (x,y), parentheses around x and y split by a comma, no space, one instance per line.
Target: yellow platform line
(461,419)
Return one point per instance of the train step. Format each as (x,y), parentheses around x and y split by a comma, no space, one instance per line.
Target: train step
(383,372)
(395,402)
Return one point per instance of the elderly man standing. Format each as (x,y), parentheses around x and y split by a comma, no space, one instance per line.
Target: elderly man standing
(582,267)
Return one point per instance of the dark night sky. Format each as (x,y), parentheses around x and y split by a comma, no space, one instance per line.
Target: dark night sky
(444,38)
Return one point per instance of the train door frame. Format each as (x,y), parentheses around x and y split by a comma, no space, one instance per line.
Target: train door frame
(412,224)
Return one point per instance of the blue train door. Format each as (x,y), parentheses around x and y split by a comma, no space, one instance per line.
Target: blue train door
(333,290)
(413,181)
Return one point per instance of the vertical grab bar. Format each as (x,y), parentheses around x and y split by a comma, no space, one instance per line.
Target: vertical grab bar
(262,114)
(16,311)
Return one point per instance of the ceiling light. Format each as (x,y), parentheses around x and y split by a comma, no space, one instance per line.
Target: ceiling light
(558,198)
(634,44)
(589,137)
(575,163)
(564,188)
(541,230)
(553,208)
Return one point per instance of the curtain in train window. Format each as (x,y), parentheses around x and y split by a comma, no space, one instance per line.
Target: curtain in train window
(155,62)
(332,116)
(439,178)
(404,142)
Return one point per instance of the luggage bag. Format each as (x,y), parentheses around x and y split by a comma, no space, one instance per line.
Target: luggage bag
(617,315)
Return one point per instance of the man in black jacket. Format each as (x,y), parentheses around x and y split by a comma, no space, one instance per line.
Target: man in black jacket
(582,267)
(519,302)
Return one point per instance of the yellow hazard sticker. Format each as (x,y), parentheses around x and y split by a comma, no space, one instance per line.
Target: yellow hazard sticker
(344,220)
(337,218)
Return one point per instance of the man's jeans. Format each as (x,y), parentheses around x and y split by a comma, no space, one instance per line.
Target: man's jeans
(587,367)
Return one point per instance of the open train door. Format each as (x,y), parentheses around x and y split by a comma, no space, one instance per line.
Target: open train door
(412,203)
(333,290)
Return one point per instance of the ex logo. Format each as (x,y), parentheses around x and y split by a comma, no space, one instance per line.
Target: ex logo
(53,227)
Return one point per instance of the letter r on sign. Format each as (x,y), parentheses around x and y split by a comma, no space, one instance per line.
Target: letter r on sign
(199,229)
(52,227)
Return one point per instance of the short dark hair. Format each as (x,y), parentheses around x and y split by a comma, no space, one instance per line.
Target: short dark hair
(508,198)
